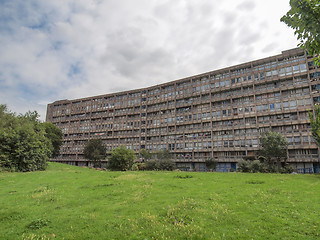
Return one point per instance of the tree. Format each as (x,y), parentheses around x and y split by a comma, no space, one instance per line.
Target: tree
(163,154)
(54,134)
(121,159)
(211,164)
(95,151)
(273,147)
(315,124)
(24,146)
(146,155)
(304,17)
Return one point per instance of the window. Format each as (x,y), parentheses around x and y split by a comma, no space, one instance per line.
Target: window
(303,67)
(296,69)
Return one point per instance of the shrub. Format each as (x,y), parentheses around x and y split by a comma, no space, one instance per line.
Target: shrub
(211,164)
(244,166)
(141,166)
(252,166)
(135,167)
(152,165)
(121,159)
(167,165)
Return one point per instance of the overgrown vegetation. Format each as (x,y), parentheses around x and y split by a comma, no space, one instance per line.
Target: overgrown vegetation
(95,151)
(26,144)
(90,204)
(121,159)
(211,164)
(272,156)
(162,160)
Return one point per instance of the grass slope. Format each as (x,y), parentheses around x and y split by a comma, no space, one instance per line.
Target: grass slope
(67,202)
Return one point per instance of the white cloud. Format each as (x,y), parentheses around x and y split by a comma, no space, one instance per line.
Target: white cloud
(54,50)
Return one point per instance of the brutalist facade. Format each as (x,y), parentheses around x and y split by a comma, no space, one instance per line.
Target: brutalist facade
(219,114)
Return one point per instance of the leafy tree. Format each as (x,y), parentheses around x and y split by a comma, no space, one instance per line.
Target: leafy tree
(55,135)
(24,146)
(121,159)
(211,163)
(163,154)
(304,17)
(95,151)
(273,147)
(315,124)
(145,154)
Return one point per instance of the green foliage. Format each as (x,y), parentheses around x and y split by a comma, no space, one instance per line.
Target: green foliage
(135,167)
(152,165)
(273,147)
(24,145)
(38,224)
(160,165)
(211,164)
(315,124)
(146,155)
(304,18)
(254,166)
(167,165)
(138,167)
(55,135)
(95,151)
(121,159)
(163,154)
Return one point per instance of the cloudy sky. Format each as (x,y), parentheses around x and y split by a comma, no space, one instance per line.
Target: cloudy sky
(66,49)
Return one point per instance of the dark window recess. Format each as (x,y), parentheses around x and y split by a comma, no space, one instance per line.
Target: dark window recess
(144,99)
(143,138)
(143,114)
(144,106)
(143,130)
(143,146)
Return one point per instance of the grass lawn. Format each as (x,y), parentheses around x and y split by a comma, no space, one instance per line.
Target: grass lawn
(67,202)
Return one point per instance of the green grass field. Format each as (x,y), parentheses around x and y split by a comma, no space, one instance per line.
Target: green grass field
(67,202)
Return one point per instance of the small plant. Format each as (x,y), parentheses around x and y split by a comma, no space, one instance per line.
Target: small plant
(38,223)
(184,177)
(254,182)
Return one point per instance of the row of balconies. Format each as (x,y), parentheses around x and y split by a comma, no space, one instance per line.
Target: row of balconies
(131,109)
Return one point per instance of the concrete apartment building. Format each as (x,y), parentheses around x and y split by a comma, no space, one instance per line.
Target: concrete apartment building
(218,114)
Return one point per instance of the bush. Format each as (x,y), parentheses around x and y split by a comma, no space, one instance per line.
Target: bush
(244,166)
(164,165)
(211,164)
(254,166)
(135,167)
(121,159)
(167,165)
(141,166)
(287,169)
(152,165)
